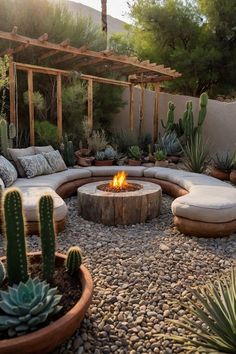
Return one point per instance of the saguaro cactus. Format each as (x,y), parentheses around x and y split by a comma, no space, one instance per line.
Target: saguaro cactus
(47,234)
(15,235)
(73,259)
(202,109)
(170,118)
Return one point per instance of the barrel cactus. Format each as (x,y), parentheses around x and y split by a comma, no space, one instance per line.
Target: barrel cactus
(73,260)
(2,273)
(27,305)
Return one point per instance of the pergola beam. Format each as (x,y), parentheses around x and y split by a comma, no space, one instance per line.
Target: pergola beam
(54,48)
(50,71)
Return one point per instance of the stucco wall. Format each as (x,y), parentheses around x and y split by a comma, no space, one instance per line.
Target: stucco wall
(219,127)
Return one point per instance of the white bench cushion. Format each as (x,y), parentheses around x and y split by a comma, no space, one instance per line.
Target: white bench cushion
(54,180)
(207,203)
(31,196)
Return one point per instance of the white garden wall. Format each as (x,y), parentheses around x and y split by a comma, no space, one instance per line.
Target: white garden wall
(219,127)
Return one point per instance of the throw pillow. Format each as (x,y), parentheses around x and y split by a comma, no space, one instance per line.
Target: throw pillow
(15,153)
(41,149)
(55,160)
(35,165)
(2,186)
(8,172)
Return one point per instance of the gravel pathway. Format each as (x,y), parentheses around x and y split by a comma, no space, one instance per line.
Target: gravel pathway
(139,272)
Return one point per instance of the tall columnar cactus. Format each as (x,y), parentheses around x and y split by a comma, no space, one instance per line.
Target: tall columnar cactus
(170,118)
(68,151)
(73,260)
(202,109)
(15,235)
(2,272)
(7,135)
(47,234)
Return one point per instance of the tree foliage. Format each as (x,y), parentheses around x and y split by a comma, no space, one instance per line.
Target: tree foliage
(196,38)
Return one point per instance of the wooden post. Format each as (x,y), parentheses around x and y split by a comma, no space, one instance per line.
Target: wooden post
(141,115)
(131,108)
(90,103)
(12,91)
(31,106)
(156,108)
(59,107)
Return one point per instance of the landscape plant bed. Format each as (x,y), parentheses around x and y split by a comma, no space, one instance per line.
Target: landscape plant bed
(76,297)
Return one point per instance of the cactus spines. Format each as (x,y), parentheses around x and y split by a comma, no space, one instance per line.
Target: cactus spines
(15,235)
(47,235)
(2,273)
(73,259)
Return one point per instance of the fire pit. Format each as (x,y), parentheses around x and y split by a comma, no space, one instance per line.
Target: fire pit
(119,202)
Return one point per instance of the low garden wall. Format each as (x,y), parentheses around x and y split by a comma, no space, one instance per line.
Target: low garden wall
(219,127)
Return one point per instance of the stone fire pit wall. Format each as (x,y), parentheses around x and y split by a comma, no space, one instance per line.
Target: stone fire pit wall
(125,208)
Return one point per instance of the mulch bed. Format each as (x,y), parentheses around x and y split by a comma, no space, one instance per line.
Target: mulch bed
(69,287)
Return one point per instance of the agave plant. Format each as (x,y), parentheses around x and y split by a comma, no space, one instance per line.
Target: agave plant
(224,161)
(27,305)
(170,143)
(196,154)
(135,152)
(216,330)
(160,155)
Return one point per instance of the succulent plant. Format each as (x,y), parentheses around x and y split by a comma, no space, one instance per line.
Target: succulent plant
(223,161)
(15,236)
(100,155)
(2,273)
(214,318)
(27,305)
(170,144)
(135,152)
(68,151)
(110,153)
(196,154)
(73,259)
(47,235)
(160,155)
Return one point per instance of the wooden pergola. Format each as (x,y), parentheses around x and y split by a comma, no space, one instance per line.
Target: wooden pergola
(55,59)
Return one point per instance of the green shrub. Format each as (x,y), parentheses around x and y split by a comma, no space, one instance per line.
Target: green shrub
(46,133)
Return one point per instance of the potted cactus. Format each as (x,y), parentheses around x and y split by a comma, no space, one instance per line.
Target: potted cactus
(29,298)
(222,165)
(161,158)
(135,155)
(106,157)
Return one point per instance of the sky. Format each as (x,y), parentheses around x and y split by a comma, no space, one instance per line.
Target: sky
(115,8)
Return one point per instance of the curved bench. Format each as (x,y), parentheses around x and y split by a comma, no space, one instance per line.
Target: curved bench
(204,206)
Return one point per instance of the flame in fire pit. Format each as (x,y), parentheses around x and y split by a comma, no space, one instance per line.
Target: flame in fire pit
(119,181)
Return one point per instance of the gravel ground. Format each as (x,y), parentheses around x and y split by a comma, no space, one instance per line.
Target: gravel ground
(139,272)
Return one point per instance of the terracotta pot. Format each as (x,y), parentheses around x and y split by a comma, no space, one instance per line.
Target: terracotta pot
(48,338)
(134,162)
(162,163)
(233,176)
(222,175)
(103,162)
